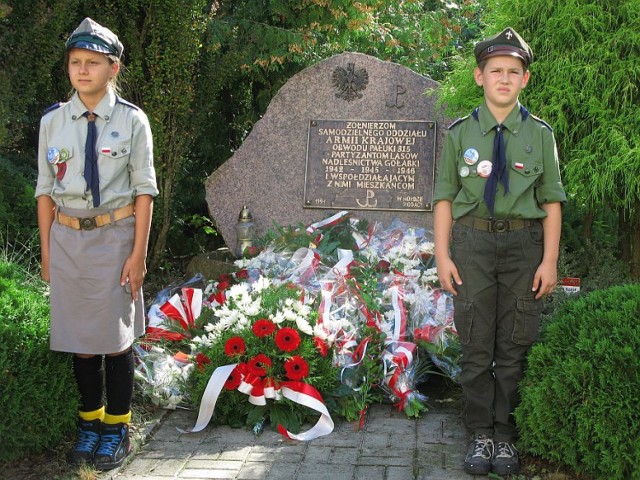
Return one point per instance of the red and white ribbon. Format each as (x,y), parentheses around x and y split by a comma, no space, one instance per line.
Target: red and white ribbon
(399,312)
(186,308)
(304,394)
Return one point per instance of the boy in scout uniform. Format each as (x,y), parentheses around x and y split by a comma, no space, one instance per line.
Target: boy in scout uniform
(497,222)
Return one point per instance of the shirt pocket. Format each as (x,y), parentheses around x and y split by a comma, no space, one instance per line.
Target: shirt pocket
(525,174)
(113,159)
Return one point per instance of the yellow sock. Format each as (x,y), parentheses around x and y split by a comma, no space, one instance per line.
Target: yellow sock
(113,419)
(93,415)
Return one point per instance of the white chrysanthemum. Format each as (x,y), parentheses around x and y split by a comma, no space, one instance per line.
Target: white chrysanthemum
(304,326)
(288,302)
(320,331)
(290,314)
(253,308)
(261,284)
(238,291)
(278,317)
(301,308)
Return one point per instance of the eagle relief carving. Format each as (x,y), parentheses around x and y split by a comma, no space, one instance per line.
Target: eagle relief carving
(350,81)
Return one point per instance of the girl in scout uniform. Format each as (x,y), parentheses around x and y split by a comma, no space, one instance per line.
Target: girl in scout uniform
(95,189)
(497,221)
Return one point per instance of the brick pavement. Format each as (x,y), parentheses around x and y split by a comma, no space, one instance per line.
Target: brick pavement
(388,447)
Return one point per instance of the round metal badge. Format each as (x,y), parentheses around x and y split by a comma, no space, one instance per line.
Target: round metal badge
(53,155)
(484,168)
(464,171)
(64,155)
(471,156)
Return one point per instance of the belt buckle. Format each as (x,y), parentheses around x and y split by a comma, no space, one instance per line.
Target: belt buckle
(500,226)
(88,223)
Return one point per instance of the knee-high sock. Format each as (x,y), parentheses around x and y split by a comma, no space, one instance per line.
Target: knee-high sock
(90,379)
(119,382)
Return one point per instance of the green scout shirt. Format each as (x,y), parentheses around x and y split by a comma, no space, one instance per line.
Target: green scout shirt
(125,154)
(532,166)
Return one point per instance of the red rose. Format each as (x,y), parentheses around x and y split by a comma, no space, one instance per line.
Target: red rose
(242,274)
(259,364)
(263,327)
(287,339)
(383,266)
(235,346)
(296,368)
(224,278)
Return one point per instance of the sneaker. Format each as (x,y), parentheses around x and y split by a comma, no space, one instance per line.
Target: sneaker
(505,461)
(114,446)
(478,459)
(87,442)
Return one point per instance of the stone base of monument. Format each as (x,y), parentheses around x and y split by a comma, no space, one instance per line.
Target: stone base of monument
(212,264)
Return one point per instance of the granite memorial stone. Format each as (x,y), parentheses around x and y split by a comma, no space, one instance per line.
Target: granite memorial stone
(349,133)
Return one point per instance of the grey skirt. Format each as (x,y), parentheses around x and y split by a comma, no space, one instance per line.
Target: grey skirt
(90,312)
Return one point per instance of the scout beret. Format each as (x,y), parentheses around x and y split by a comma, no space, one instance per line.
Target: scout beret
(92,36)
(507,42)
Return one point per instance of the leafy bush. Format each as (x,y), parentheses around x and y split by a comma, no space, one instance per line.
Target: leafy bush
(17,204)
(580,391)
(38,403)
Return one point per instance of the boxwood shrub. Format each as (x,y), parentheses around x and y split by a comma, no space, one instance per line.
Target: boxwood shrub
(38,399)
(581,391)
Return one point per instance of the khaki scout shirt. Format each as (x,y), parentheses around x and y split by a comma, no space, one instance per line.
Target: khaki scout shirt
(125,154)
(532,166)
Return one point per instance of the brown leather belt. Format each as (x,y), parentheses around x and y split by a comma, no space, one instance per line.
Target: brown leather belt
(89,223)
(498,226)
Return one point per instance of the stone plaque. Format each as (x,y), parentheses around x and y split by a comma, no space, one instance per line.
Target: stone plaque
(370,165)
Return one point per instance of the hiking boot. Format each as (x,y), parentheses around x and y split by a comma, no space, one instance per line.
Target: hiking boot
(87,442)
(114,446)
(478,459)
(505,460)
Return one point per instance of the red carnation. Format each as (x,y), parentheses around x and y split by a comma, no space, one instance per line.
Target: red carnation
(321,346)
(287,339)
(263,327)
(258,365)
(233,381)
(202,360)
(235,346)
(296,368)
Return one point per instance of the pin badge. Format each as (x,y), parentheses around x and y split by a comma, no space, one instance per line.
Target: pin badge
(484,168)
(115,134)
(464,171)
(471,156)
(105,150)
(518,165)
(528,149)
(53,155)
(64,155)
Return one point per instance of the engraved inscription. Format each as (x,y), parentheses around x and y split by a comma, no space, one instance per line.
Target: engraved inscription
(373,165)
(397,101)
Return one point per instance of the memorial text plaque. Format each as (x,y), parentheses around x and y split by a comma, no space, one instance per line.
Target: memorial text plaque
(370,165)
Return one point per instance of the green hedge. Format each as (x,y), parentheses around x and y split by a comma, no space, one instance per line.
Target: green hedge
(581,389)
(38,403)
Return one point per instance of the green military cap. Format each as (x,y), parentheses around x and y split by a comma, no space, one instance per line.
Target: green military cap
(507,42)
(92,36)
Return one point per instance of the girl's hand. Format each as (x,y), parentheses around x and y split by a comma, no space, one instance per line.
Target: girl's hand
(133,273)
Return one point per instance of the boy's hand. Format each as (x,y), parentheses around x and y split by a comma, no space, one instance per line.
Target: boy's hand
(448,274)
(545,280)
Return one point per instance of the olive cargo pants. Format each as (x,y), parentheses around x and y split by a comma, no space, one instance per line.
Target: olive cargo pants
(497,318)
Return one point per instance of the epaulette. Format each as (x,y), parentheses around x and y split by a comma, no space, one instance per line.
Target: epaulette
(125,102)
(52,108)
(457,121)
(541,121)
